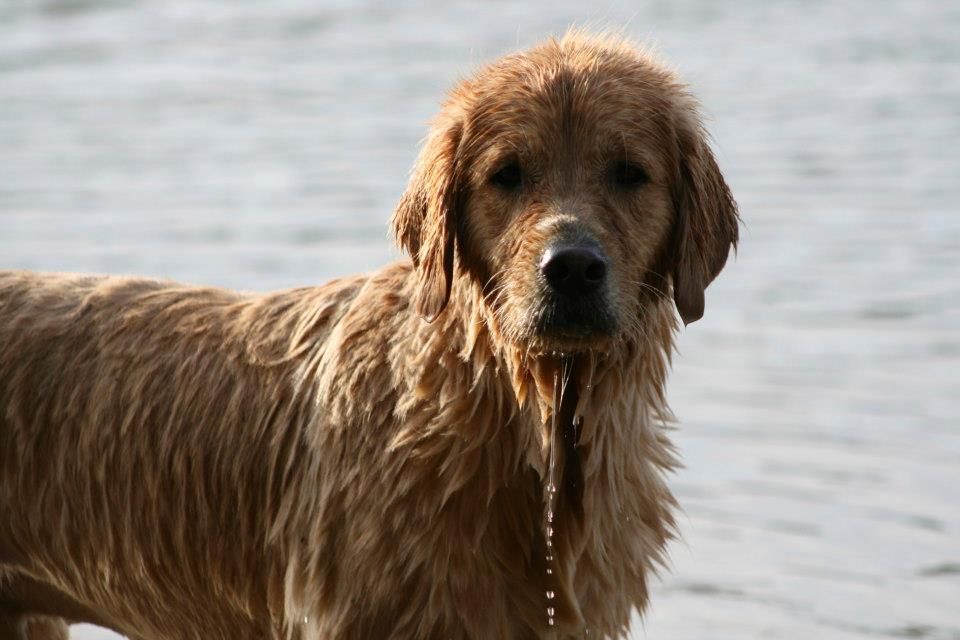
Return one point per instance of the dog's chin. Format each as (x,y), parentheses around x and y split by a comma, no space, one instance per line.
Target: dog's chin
(573,329)
(569,345)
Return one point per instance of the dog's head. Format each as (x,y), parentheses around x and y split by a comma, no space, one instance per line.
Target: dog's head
(574,184)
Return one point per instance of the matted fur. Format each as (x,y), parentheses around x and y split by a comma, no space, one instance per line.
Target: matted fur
(182,462)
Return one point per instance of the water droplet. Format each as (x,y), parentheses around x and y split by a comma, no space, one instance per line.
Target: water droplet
(549,516)
(550,621)
(549,543)
(549,532)
(550,595)
(549,572)
(551,611)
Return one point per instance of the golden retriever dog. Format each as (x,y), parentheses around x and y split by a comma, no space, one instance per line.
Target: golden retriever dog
(468,444)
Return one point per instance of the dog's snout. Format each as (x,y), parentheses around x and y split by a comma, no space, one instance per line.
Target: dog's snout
(574,269)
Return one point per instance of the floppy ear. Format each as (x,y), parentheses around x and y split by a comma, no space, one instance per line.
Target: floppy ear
(707,222)
(425,219)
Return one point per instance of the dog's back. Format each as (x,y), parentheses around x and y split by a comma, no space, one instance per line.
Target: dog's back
(144,427)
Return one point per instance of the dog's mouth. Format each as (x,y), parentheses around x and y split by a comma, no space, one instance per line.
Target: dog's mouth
(567,324)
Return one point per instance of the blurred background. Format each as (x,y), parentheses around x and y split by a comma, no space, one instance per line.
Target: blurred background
(261,145)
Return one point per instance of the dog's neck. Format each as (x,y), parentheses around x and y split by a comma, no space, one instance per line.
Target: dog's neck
(604,416)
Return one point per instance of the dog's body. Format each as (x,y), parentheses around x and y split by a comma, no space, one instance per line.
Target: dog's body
(322,463)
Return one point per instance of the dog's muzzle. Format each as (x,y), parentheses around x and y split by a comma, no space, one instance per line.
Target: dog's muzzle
(575,291)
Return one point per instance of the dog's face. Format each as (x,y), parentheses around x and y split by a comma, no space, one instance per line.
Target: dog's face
(574,186)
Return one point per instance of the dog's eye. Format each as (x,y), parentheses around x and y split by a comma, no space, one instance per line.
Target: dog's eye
(507,177)
(627,175)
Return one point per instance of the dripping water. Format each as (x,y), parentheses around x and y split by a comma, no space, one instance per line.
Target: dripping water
(559,386)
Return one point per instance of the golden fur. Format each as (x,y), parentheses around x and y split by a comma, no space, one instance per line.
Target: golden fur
(182,462)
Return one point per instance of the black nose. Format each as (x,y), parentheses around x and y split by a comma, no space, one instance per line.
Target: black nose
(574,269)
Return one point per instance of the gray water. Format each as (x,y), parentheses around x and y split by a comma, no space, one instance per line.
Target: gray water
(263,145)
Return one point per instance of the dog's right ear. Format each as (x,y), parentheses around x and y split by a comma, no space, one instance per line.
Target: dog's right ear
(707,221)
(424,222)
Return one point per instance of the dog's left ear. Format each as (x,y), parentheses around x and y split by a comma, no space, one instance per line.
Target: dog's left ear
(424,222)
(706,221)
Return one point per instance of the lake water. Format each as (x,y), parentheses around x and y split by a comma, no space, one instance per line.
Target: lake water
(263,145)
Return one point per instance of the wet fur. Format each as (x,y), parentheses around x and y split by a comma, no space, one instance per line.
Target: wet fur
(181,462)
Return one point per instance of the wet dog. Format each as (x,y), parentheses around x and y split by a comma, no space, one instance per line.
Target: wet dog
(468,444)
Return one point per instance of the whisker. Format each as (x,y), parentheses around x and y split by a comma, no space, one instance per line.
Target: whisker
(649,287)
